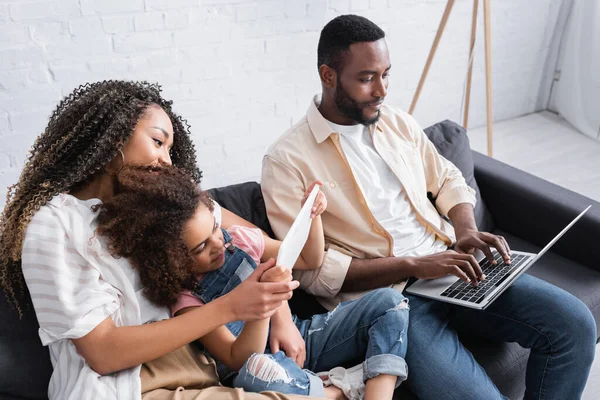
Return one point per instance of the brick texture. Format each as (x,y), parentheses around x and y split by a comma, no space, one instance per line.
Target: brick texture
(242,71)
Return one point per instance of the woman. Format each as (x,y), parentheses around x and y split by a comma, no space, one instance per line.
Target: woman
(90,307)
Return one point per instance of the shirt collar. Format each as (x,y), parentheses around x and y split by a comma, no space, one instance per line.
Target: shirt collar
(317,123)
(319,126)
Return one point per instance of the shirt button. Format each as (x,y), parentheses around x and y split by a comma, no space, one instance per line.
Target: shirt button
(332,184)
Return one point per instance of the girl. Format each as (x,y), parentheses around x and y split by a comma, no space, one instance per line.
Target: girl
(89,305)
(165,225)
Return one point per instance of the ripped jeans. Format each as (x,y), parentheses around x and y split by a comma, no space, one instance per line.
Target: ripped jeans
(372,328)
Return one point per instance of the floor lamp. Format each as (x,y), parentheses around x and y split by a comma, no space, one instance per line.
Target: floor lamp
(488,64)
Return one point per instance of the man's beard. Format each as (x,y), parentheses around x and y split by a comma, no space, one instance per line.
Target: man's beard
(350,108)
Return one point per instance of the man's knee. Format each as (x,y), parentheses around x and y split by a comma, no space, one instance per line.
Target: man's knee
(583,326)
(570,325)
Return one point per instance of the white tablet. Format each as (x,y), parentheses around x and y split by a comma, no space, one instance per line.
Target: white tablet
(295,239)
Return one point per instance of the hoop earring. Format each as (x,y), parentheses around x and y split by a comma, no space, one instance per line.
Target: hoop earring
(122,164)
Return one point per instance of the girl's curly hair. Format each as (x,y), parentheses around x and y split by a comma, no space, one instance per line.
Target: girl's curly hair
(85,132)
(144,222)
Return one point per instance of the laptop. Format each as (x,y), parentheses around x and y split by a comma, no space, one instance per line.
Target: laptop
(498,277)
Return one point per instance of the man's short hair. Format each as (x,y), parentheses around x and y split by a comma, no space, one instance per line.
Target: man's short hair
(340,33)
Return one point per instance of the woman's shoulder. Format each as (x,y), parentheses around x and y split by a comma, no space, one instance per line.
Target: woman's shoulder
(65,205)
(63,216)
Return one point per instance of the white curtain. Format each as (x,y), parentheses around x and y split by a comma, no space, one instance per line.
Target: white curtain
(576,95)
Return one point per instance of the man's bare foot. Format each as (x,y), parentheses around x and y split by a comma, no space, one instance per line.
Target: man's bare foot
(334,393)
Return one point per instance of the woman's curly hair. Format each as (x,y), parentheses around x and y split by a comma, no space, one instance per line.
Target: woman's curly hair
(144,222)
(85,132)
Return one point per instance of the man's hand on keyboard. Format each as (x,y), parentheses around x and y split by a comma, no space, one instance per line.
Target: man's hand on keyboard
(473,239)
(448,262)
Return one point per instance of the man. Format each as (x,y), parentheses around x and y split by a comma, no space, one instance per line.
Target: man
(381,229)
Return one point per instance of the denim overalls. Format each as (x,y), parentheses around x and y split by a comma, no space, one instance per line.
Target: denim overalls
(372,327)
(238,266)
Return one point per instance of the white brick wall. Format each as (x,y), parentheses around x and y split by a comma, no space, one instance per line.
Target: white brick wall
(241,71)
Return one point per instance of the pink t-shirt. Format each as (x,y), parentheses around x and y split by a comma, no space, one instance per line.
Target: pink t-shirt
(250,240)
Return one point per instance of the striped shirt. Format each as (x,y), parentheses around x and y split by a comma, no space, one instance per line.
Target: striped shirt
(75,284)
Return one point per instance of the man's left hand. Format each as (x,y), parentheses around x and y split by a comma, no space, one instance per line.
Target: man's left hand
(473,239)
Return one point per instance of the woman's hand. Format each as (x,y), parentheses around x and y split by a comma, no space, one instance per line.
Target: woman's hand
(253,300)
(320,203)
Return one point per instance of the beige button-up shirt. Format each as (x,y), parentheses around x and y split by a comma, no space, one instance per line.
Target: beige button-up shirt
(310,151)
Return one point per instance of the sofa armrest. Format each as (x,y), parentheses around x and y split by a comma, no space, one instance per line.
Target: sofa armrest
(536,210)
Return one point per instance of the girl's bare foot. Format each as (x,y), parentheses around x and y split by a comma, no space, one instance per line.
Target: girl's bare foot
(334,393)
(381,387)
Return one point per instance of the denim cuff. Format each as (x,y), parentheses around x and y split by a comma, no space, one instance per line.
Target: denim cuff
(315,388)
(387,364)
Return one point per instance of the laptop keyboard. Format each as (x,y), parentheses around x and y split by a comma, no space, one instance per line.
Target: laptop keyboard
(495,275)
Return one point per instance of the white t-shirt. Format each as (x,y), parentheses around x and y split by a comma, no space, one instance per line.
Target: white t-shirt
(75,284)
(385,194)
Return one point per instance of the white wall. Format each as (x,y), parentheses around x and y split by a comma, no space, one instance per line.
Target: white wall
(241,71)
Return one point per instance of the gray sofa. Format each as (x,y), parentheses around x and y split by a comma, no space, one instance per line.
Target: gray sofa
(526,210)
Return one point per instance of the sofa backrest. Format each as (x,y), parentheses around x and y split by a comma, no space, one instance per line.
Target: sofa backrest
(452,142)
(246,201)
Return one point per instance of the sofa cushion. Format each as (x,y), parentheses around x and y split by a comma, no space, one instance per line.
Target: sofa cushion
(25,366)
(451,141)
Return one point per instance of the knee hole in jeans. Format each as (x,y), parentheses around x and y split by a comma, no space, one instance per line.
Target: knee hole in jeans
(265,368)
(403,305)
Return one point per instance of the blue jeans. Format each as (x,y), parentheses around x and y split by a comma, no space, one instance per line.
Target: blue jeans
(373,328)
(558,328)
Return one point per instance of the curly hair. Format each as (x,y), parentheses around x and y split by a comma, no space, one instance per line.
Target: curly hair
(144,222)
(84,133)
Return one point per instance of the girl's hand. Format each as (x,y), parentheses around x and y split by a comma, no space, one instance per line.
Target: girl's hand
(277,274)
(320,203)
(285,336)
(253,300)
